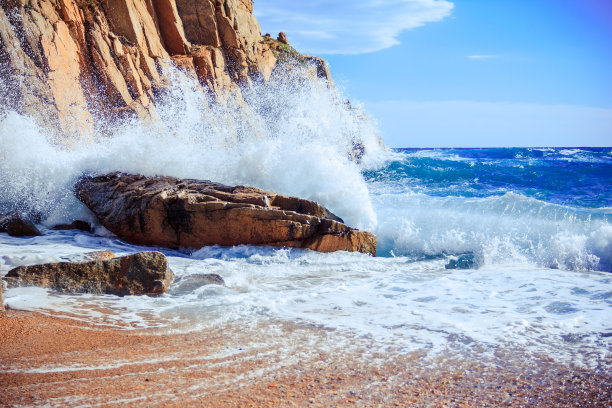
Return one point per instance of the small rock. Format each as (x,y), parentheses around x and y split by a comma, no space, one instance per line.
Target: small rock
(16,225)
(138,274)
(77,224)
(282,37)
(89,256)
(99,255)
(189,283)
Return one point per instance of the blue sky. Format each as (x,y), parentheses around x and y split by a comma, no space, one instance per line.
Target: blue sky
(464,73)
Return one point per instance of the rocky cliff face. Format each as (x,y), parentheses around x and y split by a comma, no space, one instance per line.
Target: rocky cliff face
(69,63)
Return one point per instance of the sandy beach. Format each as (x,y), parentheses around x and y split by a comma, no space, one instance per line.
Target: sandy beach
(46,360)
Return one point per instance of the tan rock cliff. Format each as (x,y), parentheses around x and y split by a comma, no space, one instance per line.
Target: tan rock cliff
(68,63)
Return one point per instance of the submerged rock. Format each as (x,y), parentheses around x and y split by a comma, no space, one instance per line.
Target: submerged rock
(77,224)
(169,212)
(144,273)
(16,225)
(189,283)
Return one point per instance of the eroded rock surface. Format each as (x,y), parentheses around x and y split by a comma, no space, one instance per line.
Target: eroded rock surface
(138,274)
(170,212)
(68,63)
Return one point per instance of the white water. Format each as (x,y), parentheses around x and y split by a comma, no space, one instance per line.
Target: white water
(498,229)
(395,301)
(294,139)
(288,132)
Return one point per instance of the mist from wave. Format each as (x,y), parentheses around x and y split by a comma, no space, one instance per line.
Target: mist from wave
(286,129)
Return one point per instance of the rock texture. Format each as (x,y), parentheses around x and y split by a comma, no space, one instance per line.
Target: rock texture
(17,225)
(69,63)
(99,255)
(142,273)
(282,37)
(169,212)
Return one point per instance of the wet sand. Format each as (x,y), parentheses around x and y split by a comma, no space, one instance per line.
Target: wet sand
(54,361)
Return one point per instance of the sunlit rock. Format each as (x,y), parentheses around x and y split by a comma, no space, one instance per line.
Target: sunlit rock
(169,212)
(144,273)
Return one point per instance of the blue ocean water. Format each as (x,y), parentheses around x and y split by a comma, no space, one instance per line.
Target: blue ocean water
(577,177)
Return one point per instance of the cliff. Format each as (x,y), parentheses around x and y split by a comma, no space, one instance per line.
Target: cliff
(70,63)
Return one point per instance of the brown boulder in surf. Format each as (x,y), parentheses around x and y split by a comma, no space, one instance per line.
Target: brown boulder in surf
(144,273)
(170,212)
(18,225)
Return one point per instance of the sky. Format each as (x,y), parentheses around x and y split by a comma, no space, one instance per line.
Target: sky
(464,73)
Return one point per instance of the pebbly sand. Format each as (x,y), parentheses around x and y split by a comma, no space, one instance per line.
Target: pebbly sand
(46,360)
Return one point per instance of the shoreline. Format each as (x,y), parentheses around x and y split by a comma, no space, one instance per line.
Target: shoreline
(57,361)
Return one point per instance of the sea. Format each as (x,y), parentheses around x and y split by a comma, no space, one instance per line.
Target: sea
(478,248)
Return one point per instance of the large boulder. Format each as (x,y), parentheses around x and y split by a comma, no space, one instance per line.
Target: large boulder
(144,273)
(169,212)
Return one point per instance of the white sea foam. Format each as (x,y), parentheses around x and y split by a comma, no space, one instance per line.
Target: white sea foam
(498,229)
(397,301)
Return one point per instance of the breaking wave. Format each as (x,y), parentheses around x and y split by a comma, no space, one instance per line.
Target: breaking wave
(281,132)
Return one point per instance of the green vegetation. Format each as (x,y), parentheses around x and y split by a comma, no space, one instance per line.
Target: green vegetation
(123,39)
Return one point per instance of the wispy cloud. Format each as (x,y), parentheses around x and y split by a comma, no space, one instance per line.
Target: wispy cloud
(345,26)
(482,56)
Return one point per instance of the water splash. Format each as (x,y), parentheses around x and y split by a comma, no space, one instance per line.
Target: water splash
(283,130)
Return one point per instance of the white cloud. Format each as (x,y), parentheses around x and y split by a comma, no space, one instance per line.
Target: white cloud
(481,56)
(345,26)
(490,124)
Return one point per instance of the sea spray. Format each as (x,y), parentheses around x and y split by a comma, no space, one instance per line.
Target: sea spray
(307,130)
